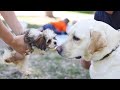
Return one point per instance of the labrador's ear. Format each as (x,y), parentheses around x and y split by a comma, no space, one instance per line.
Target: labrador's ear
(97,42)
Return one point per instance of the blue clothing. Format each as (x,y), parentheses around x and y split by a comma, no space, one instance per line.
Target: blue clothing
(50,26)
(113,20)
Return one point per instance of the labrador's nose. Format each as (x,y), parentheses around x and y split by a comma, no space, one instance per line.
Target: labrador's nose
(59,49)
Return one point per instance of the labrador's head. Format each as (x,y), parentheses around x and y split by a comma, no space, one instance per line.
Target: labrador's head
(86,39)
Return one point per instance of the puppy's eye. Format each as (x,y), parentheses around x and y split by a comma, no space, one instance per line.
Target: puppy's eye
(54,38)
(76,38)
(49,41)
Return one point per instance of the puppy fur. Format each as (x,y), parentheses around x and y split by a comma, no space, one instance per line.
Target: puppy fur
(36,39)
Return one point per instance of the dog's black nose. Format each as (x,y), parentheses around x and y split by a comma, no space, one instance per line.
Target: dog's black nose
(59,49)
(55,43)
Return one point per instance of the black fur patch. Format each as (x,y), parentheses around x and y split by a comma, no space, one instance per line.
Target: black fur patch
(2,52)
(28,40)
(39,43)
(10,48)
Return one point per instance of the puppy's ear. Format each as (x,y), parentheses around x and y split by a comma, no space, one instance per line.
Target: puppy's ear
(41,43)
(97,42)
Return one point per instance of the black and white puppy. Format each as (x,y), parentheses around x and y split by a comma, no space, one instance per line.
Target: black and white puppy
(36,39)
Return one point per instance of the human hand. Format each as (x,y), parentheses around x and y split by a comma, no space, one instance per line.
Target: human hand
(19,45)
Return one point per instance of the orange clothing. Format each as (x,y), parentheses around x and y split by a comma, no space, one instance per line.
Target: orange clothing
(60,25)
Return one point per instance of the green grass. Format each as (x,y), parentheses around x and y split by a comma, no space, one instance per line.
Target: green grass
(86,12)
(33,26)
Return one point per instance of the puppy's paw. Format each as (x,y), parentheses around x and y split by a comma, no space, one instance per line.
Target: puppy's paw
(8,60)
(15,58)
(27,72)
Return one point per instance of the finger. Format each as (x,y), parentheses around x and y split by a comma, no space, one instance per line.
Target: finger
(27,50)
(26,46)
(26,53)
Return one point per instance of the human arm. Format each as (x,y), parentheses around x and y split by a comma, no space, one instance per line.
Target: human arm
(16,42)
(12,21)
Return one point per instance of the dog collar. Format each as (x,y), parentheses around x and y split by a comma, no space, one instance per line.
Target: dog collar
(107,55)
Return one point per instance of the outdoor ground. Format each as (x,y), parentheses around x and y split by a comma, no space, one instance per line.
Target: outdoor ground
(51,65)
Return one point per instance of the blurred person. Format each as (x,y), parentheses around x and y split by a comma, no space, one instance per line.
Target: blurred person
(59,27)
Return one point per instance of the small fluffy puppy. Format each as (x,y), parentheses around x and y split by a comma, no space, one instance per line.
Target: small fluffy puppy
(36,39)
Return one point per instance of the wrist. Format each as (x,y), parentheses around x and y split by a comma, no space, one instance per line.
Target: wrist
(12,42)
(19,31)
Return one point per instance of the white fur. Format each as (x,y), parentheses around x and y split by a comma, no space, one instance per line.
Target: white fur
(49,34)
(34,33)
(109,68)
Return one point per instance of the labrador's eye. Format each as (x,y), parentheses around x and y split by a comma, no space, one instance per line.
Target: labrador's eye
(76,38)
(49,41)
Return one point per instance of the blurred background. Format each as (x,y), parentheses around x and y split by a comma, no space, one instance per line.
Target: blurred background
(50,65)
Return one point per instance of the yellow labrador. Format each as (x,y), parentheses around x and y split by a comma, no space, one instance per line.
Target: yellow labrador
(97,42)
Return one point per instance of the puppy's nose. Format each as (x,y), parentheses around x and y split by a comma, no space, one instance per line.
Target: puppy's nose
(59,49)
(55,43)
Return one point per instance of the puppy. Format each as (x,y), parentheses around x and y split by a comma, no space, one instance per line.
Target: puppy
(36,39)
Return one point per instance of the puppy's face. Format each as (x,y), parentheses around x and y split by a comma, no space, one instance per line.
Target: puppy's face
(84,41)
(50,37)
(41,39)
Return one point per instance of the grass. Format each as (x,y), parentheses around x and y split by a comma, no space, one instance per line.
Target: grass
(86,12)
(48,66)
(33,26)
